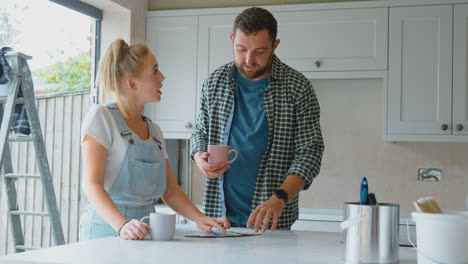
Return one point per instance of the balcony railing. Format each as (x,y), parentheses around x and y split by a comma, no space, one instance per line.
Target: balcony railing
(61,116)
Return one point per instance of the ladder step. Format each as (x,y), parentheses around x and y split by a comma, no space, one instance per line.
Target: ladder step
(22,176)
(20,138)
(14,212)
(19,100)
(26,248)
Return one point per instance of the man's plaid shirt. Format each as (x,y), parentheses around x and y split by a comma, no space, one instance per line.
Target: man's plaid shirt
(295,143)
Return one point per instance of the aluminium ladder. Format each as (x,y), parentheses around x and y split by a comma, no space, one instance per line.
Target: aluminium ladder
(20,79)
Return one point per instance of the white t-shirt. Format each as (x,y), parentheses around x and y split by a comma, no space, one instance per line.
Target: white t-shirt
(102,126)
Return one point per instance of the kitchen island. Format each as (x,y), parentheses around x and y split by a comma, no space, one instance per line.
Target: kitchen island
(270,247)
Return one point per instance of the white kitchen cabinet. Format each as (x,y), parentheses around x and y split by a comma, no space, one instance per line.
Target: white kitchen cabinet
(190,45)
(418,49)
(321,40)
(460,69)
(214,44)
(174,42)
(310,41)
(334,40)
(419,98)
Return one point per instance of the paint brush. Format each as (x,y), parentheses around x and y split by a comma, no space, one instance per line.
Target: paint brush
(427,205)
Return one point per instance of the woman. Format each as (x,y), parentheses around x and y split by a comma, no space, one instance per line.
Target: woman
(126,167)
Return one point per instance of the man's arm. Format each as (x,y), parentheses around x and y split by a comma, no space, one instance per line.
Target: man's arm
(308,141)
(271,209)
(305,167)
(199,138)
(292,185)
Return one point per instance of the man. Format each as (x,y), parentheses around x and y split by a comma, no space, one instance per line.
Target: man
(270,114)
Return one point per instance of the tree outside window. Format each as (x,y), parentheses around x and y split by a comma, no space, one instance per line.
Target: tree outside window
(58,39)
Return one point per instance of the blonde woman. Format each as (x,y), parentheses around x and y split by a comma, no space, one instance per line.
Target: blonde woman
(126,167)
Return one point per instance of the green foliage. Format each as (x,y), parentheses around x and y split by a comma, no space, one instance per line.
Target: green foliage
(70,75)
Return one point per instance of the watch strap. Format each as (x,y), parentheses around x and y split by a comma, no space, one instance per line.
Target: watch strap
(282,194)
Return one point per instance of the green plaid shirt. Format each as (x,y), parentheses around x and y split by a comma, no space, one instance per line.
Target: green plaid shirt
(295,143)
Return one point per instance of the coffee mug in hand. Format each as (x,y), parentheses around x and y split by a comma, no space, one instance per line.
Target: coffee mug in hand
(162,226)
(220,154)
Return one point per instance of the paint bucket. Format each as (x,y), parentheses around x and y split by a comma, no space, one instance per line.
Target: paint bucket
(442,238)
(371,233)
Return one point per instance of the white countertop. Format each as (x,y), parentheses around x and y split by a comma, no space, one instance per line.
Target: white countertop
(270,247)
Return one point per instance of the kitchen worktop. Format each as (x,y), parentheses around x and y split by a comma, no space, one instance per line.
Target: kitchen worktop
(270,247)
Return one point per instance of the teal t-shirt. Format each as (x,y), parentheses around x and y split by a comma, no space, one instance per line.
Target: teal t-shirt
(249,135)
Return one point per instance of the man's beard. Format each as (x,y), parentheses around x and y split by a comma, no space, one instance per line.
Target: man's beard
(252,75)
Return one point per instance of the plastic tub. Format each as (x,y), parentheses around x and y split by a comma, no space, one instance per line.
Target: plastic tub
(442,238)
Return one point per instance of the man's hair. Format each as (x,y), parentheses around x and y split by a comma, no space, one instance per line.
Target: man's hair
(255,19)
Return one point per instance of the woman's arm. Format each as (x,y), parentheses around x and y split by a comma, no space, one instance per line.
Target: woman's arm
(175,198)
(94,156)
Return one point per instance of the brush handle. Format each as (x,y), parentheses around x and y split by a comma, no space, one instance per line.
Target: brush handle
(364,191)
(427,205)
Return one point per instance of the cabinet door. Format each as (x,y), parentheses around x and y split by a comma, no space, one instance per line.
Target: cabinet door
(174,43)
(334,40)
(460,69)
(214,45)
(420,70)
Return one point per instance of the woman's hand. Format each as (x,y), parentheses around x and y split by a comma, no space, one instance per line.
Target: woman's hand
(207,223)
(134,230)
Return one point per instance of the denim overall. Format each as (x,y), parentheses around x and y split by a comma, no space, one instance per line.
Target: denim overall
(140,181)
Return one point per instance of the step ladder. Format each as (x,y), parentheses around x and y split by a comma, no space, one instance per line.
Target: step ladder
(20,90)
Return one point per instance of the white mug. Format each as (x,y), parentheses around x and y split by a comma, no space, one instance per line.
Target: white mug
(162,226)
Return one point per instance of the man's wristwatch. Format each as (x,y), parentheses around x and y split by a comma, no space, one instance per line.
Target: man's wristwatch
(281,194)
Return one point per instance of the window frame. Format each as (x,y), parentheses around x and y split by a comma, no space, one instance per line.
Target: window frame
(93,12)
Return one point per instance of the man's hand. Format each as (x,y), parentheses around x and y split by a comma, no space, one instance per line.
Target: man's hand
(265,212)
(210,170)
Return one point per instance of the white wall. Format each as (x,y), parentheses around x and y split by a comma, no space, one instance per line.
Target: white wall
(124,19)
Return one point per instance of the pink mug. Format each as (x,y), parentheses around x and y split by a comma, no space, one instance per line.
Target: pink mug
(220,154)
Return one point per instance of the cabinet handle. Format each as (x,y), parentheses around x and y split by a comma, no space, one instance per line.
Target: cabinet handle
(444,127)
(459,127)
(317,63)
(188,125)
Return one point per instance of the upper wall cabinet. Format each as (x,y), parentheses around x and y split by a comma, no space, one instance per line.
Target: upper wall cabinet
(173,40)
(324,40)
(420,70)
(460,70)
(422,104)
(191,44)
(310,41)
(334,40)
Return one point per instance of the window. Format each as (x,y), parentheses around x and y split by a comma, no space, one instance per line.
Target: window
(61,36)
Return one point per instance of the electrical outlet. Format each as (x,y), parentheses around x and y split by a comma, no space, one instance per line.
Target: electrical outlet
(429,174)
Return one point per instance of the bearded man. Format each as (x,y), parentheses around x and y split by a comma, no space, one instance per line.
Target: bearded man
(270,114)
